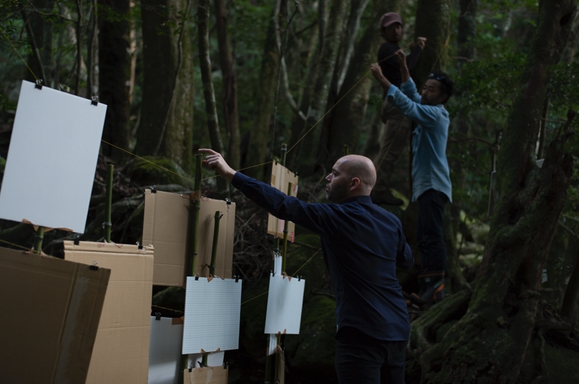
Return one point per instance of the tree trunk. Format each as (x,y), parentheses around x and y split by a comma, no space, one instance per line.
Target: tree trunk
(307,149)
(78,46)
(432,22)
(114,66)
(466,29)
(488,345)
(178,140)
(229,86)
(347,119)
(264,96)
(92,28)
(357,8)
(159,65)
(35,25)
(205,64)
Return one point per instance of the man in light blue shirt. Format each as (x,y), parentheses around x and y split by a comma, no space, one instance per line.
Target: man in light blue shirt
(430,173)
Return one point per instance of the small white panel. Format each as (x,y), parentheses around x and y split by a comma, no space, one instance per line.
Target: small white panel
(284,305)
(212,315)
(52,158)
(165,351)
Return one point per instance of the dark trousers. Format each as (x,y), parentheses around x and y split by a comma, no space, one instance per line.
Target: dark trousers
(361,359)
(430,238)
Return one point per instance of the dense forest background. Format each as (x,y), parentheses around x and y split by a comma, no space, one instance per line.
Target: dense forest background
(246,76)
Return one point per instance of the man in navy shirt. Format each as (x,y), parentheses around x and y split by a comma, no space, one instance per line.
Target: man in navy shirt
(431,185)
(362,245)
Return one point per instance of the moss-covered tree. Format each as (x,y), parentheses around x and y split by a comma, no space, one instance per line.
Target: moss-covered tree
(489,343)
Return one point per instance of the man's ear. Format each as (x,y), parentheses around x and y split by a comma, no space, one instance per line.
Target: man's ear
(354,183)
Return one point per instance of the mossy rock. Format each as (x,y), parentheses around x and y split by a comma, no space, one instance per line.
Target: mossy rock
(148,170)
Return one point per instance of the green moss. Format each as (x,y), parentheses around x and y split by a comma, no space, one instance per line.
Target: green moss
(149,170)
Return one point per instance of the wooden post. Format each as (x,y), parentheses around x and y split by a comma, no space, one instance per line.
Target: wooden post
(218,217)
(38,240)
(109,204)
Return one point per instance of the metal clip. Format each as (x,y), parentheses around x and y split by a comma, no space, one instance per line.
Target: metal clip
(228,202)
(38,84)
(94,100)
(94,267)
(139,245)
(158,316)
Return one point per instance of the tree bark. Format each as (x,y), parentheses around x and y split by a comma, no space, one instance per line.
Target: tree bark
(466,29)
(264,96)
(35,26)
(307,150)
(489,344)
(159,65)
(229,86)
(205,64)
(178,140)
(114,67)
(432,22)
(347,119)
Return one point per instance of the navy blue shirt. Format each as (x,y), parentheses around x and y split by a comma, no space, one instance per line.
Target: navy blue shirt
(362,244)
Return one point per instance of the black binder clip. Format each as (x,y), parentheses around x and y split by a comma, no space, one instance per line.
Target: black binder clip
(158,316)
(153,189)
(299,278)
(77,240)
(94,100)
(94,267)
(272,273)
(139,245)
(225,364)
(196,278)
(228,202)
(38,84)
(237,278)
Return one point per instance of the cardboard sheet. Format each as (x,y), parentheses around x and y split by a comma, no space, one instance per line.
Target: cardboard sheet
(165,227)
(121,351)
(208,375)
(52,159)
(165,350)
(52,314)
(284,305)
(212,315)
(281,177)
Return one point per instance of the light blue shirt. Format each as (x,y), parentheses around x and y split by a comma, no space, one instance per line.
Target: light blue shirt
(429,165)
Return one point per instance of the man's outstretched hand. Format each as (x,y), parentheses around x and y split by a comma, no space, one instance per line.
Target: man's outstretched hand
(215,162)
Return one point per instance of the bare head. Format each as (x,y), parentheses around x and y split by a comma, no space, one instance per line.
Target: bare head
(352,175)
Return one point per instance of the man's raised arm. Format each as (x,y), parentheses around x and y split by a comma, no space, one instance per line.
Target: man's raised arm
(216,162)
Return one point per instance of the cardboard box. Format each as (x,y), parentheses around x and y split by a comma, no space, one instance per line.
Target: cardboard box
(121,351)
(52,310)
(166,228)
(281,178)
(206,375)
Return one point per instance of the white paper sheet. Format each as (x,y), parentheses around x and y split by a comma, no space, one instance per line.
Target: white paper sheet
(284,305)
(52,158)
(212,315)
(272,344)
(165,351)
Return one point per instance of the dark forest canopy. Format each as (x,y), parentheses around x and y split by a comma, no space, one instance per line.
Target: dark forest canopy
(245,76)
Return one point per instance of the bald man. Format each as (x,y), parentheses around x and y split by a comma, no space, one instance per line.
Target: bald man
(362,244)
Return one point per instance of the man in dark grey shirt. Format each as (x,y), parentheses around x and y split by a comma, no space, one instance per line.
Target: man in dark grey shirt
(398,127)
